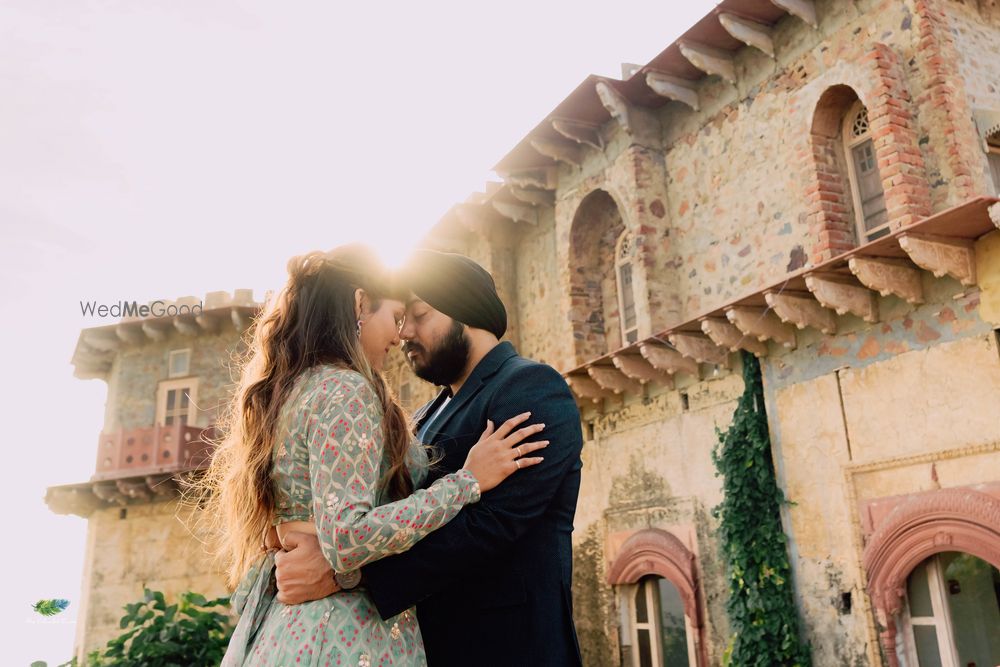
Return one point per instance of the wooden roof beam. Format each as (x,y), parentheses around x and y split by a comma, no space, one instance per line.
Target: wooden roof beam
(804,9)
(762,324)
(843,296)
(888,276)
(709,60)
(942,255)
(673,88)
(749,32)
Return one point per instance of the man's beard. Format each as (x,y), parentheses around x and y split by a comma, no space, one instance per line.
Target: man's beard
(444,364)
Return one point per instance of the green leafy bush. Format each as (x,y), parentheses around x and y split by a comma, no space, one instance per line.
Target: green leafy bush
(191,633)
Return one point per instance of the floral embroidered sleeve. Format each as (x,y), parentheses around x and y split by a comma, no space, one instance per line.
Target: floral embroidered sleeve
(345,443)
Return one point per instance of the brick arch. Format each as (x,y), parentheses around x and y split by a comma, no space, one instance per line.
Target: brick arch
(831,206)
(948,520)
(654,551)
(880,84)
(597,224)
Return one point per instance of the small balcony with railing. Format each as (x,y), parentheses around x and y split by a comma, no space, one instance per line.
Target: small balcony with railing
(136,465)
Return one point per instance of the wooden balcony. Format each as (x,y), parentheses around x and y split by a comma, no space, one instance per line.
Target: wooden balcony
(134,466)
(151,450)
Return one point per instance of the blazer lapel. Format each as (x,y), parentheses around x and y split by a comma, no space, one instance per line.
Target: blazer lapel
(486,367)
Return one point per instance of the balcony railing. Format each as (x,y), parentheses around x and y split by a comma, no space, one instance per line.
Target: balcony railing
(152,450)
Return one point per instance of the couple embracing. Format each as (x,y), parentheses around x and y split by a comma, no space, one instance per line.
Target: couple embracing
(357,536)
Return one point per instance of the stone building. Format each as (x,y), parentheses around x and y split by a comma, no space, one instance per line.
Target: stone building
(168,375)
(816,183)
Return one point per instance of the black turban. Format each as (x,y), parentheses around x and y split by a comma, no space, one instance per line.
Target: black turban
(458,287)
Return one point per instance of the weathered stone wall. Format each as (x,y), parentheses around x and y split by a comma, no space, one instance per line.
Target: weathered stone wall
(145,545)
(137,370)
(648,465)
(741,207)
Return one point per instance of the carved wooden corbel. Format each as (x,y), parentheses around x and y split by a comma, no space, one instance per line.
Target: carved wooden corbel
(699,347)
(749,32)
(516,212)
(579,131)
(727,335)
(843,297)
(563,151)
(888,276)
(804,9)
(942,255)
(614,380)
(586,389)
(533,196)
(638,368)
(668,360)
(802,310)
(543,178)
(762,324)
(709,60)
(673,88)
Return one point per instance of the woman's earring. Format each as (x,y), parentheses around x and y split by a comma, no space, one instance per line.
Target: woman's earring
(359,328)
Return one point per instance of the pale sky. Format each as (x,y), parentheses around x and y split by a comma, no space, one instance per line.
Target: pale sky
(159,149)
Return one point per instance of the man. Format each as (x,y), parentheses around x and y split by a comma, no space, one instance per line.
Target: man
(492,587)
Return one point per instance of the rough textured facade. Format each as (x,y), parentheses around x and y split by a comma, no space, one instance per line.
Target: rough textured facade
(806,181)
(737,195)
(138,533)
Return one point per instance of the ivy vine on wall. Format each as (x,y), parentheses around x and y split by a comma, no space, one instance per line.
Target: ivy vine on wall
(761,603)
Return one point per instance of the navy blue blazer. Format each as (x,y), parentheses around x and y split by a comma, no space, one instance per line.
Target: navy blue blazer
(492,586)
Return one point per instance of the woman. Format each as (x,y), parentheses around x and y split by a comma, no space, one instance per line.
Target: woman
(315,442)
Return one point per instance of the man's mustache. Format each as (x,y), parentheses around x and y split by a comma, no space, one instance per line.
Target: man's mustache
(407,347)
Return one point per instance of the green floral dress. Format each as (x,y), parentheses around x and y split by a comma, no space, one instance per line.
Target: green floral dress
(327,464)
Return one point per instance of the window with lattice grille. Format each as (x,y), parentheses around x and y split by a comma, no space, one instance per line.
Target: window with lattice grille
(866,183)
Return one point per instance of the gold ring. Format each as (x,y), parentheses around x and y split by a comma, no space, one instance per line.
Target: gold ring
(518,450)
(517,463)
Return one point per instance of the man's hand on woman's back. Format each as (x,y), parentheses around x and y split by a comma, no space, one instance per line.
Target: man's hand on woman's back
(302,572)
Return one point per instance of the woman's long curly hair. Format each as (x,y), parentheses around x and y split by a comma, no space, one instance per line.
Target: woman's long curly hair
(311,321)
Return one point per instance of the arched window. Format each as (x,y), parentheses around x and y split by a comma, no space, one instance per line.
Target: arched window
(952,612)
(624,254)
(870,213)
(658,600)
(658,629)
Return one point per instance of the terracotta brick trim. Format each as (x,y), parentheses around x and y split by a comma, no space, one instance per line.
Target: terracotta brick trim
(900,162)
(925,524)
(654,551)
